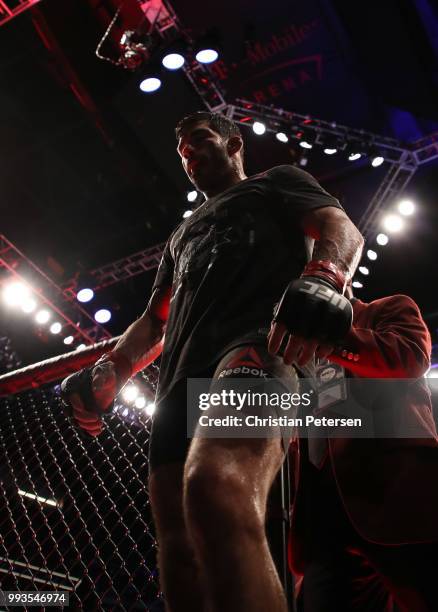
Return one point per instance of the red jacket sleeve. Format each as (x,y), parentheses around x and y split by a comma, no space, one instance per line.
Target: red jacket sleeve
(391,339)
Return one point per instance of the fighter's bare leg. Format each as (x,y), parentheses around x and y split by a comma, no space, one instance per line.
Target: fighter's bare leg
(226,485)
(179,575)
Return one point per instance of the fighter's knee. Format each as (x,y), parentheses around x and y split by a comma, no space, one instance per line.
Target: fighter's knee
(219,495)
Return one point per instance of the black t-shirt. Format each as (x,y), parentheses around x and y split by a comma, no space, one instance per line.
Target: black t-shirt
(229,263)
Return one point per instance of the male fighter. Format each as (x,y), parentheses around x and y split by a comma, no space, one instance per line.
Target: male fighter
(364,529)
(222,271)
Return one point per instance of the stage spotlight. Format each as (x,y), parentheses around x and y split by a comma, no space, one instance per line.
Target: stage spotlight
(192,195)
(103,315)
(56,327)
(364,270)
(377,161)
(129,393)
(150,84)
(85,295)
(357,285)
(42,316)
(207,55)
(353,151)
(406,207)
(371,254)
(258,128)
(173,61)
(187,214)
(376,157)
(81,347)
(331,145)
(382,239)
(140,402)
(15,293)
(307,138)
(68,340)
(281,136)
(150,409)
(29,305)
(393,223)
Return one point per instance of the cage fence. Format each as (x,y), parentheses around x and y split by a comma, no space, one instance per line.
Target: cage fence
(74,511)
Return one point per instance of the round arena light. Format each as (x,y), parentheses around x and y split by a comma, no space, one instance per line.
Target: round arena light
(382,239)
(306,144)
(173,61)
(81,347)
(140,402)
(330,150)
(187,214)
(393,223)
(85,295)
(103,315)
(56,327)
(130,393)
(150,409)
(207,56)
(42,316)
(372,255)
(377,161)
(406,208)
(357,285)
(15,293)
(364,270)
(258,128)
(192,195)
(281,136)
(150,84)
(354,156)
(29,305)
(68,340)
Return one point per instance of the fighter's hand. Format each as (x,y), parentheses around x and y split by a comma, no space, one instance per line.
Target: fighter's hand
(297,349)
(88,394)
(311,319)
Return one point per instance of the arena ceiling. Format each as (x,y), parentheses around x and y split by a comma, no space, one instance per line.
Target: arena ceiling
(89,172)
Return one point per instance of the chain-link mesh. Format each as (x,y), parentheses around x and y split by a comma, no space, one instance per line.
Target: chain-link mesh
(75,512)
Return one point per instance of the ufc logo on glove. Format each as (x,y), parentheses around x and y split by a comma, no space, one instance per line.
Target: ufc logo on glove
(324,292)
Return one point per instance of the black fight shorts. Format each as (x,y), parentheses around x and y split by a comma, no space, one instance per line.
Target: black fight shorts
(169,441)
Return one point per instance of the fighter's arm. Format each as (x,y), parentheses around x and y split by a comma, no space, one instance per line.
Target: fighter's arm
(396,345)
(335,256)
(141,343)
(337,238)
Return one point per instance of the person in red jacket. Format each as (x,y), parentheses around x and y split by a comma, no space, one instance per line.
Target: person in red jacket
(364,524)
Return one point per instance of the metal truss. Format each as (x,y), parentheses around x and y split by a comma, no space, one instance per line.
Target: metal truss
(9,10)
(403,159)
(278,119)
(79,322)
(121,270)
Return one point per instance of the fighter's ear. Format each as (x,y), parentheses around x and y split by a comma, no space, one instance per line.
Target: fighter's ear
(234,145)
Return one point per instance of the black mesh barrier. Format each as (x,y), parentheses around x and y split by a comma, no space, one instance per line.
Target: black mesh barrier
(74,511)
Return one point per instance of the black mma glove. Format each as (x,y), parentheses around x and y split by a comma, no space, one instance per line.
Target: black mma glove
(88,394)
(313,306)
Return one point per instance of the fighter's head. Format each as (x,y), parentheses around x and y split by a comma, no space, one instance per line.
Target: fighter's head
(211,150)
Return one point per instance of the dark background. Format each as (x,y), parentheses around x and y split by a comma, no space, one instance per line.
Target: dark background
(88,169)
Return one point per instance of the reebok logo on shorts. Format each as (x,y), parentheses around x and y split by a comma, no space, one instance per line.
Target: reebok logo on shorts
(246,363)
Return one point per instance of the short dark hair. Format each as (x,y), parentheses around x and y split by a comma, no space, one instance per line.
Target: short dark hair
(217,122)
